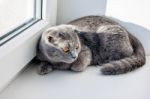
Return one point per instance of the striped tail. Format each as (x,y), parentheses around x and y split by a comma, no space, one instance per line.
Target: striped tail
(129,63)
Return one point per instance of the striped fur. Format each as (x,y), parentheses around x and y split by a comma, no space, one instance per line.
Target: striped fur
(91,40)
(136,60)
(112,46)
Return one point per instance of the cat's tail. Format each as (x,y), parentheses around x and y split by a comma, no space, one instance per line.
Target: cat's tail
(129,63)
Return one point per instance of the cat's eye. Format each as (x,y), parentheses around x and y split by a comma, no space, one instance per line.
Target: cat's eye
(66,49)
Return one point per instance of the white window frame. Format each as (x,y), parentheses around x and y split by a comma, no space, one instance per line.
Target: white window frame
(19,51)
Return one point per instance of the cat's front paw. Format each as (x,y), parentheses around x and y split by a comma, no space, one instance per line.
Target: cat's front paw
(42,70)
(79,68)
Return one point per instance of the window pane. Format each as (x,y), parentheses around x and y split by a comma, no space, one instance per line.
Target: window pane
(14,13)
(17,16)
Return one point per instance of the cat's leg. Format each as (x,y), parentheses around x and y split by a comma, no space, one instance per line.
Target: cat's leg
(44,68)
(84,59)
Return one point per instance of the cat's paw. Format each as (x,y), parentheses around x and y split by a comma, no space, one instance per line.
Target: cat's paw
(42,70)
(78,68)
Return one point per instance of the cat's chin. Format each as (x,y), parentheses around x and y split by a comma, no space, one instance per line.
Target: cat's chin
(69,62)
(64,61)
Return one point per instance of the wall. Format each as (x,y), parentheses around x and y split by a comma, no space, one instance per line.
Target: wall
(135,16)
(71,9)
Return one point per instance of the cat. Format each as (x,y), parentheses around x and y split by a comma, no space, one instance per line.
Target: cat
(90,40)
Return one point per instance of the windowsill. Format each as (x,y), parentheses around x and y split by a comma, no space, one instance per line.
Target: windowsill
(89,84)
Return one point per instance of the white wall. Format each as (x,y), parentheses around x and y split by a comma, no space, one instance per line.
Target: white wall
(71,9)
(135,16)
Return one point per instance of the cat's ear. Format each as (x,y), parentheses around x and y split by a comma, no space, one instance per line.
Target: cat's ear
(50,35)
(50,39)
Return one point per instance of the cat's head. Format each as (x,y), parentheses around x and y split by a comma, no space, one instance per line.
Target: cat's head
(61,43)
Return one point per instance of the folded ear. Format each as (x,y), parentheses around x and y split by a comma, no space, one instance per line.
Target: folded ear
(50,38)
(50,35)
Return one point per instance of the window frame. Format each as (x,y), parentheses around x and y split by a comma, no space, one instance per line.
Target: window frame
(19,51)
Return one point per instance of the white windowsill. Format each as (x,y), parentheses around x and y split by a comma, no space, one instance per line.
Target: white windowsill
(89,84)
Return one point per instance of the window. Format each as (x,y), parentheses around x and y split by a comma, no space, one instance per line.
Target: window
(21,24)
(18,15)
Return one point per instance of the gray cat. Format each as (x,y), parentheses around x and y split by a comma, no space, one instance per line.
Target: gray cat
(90,40)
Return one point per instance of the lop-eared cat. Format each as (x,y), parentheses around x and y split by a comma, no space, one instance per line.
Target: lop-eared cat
(90,40)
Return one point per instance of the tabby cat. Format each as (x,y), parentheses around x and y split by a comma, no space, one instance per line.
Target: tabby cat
(90,40)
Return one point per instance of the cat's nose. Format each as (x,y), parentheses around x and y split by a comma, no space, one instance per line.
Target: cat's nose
(73,55)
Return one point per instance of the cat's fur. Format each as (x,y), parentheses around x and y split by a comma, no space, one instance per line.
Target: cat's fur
(100,41)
